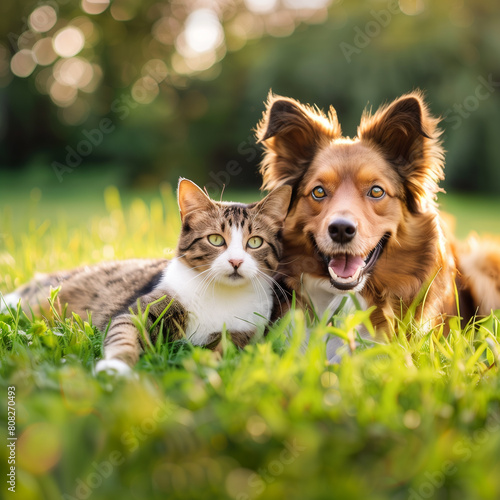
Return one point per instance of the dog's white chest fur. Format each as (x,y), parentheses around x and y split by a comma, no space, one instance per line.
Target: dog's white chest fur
(239,308)
(324,297)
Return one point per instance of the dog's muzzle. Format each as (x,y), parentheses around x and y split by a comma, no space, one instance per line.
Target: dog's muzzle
(347,270)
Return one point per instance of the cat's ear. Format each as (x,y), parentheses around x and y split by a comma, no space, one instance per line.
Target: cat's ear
(276,203)
(191,197)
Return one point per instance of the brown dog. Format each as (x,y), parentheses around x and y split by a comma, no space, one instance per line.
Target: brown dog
(363,216)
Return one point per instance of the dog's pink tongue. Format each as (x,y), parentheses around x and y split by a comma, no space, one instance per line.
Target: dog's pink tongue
(345,265)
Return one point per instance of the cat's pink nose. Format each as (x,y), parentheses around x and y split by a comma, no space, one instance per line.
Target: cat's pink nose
(236,263)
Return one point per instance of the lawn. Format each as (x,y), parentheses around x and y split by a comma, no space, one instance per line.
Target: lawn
(407,420)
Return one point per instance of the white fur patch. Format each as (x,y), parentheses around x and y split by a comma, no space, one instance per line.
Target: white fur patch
(11,300)
(215,302)
(114,366)
(323,298)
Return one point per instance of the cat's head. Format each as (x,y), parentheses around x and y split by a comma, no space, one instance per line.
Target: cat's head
(231,243)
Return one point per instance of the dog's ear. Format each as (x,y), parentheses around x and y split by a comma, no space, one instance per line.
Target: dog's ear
(408,137)
(276,203)
(291,133)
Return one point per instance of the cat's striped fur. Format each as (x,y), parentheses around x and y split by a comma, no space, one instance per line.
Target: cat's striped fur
(212,287)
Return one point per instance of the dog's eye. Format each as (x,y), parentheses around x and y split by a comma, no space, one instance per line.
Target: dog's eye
(216,240)
(376,192)
(318,193)
(255,242)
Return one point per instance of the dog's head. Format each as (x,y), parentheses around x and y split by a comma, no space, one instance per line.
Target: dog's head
(350,196)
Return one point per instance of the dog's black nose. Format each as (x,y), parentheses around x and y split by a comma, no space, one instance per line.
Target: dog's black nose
(342,230)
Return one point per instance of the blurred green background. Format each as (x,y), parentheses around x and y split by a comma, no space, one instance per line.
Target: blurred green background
(181,84)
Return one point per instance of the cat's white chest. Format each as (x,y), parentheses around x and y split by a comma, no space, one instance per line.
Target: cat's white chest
(239,308)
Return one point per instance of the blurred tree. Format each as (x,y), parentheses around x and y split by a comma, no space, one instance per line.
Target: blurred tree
(180,84)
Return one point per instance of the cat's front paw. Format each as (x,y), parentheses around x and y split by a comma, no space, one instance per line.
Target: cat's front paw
(114,367)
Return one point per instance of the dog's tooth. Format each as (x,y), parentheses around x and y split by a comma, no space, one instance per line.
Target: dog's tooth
(344,280)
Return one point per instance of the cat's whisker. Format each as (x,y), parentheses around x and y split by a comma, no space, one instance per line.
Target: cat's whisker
(285,262)
(194,278)
(209,279)
(282,274)
(257,290)
(274,284)
(206,279)
(198,275)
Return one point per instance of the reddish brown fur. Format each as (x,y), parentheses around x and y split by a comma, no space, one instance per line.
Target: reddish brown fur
(397,148)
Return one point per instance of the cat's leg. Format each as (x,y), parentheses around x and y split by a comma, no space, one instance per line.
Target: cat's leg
(122,347)
(123,344)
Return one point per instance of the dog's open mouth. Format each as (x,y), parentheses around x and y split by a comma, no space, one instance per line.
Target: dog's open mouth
(347,270)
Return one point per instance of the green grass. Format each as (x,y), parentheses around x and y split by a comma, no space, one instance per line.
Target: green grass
(406,420)
(472,213)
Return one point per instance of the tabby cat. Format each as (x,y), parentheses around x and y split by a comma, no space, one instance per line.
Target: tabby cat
(220,277)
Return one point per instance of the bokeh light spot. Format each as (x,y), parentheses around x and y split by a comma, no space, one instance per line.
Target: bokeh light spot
(94,6)
(123,10)
(412,419)
(86,26)
(261,6)
(257,428)
(163,30)
(69,41)
(27,39)
(43,52)
(156,69)
(280,24)
(43,18)
(39,448)
(62,95)
(22,63)
(238,482)
(201,62)
(97,75)
(44,80)
(203,32)
(411,7)
(145,90)
(75,72)
(329,379)
(306,4)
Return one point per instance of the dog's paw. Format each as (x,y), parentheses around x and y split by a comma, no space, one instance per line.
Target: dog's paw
(114,367)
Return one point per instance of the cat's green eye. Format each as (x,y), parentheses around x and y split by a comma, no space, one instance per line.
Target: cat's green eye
(255,242)
(216,240)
